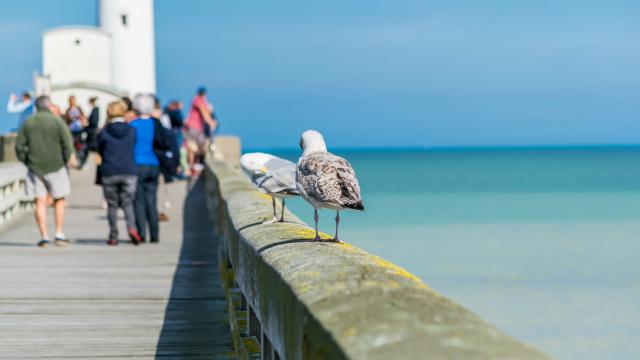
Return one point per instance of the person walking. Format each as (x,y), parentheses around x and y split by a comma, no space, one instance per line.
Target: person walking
(75,116)
(116,144)
(130,115)
(44,145)
(23,107)
(148,168)
(196,136)
(92,124)
(77,121)
(174,111)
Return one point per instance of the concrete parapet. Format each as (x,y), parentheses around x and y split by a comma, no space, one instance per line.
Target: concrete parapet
(321,300)
(12,192)
(7,147)
(228,149)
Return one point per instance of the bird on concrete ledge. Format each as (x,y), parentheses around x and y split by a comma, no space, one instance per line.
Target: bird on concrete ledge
(271,175)
(325,180)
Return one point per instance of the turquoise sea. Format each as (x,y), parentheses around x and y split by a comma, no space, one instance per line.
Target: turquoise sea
(543,243)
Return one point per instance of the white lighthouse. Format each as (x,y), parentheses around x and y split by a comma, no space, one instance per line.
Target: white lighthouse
(114,59)
(130,24)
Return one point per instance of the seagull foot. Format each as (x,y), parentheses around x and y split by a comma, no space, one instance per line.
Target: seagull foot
(272,221)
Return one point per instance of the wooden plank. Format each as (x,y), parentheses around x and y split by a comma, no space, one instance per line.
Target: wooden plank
(90,301)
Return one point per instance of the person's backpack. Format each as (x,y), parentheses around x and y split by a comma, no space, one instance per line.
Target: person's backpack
(207,129)
(165,146)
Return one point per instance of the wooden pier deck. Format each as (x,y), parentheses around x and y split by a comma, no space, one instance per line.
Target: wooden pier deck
(90,301)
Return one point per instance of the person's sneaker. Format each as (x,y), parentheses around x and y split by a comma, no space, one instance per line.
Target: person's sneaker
(43,243)
(154,241)
(112,242)
(135,237)
(61,241)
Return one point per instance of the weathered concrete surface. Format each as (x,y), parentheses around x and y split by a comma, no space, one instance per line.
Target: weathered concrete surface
(322,300)
(228,149)
(7,147)
(92,301)
(12,196)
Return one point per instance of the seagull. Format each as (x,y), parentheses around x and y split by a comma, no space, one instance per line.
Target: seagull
(325,180)
(271,175)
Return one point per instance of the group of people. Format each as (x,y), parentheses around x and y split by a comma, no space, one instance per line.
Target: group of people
(83,129)
(139,142)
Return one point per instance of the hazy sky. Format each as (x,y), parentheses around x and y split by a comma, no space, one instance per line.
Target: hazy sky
(382,73)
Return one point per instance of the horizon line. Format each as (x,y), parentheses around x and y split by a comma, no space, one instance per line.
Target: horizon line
(450,147)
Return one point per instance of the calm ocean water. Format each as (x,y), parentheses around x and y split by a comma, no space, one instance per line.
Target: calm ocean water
(543,243)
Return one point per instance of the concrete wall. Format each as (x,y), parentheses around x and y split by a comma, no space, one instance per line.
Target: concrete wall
(13,200)
(7,147)
(322,300)
(12,194)
(227,149)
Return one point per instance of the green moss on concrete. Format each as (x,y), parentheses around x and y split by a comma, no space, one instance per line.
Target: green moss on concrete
(324,300)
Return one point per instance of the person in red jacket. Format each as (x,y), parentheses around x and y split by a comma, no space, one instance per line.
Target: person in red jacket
(196,137)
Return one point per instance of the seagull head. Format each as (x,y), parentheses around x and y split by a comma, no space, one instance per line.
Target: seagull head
(312,141)
(254,164)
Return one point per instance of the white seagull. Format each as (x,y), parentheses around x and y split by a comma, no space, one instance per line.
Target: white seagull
(271,175)
(326,180)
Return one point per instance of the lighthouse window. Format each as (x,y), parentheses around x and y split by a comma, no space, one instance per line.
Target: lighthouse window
(77,42)
(124,19)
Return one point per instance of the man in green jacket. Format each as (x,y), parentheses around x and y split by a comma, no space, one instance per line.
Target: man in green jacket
(45,146)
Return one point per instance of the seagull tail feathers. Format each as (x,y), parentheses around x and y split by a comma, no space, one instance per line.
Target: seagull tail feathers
(356,206)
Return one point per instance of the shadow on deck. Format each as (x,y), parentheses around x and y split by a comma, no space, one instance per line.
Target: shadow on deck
(195,323)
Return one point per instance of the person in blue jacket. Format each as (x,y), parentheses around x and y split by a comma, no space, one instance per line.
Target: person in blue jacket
(24,107)
(148,168)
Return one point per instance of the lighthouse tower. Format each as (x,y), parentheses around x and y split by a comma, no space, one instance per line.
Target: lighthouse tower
(130,25)
(106,62)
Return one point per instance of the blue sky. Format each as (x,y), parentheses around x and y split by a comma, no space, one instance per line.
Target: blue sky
(383,73)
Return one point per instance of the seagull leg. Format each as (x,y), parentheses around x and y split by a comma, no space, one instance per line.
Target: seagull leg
(282,216)
(337,223)
(273,202)
(275,218)
(315,217)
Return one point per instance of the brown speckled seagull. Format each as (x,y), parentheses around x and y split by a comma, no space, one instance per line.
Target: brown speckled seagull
(325,180)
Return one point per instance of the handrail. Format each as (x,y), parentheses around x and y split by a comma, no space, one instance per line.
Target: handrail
(7,145)
(12,192)
(302,299)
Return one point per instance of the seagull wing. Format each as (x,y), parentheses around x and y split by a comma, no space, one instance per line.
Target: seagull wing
(271,174)
(349,186)
(279,181)
(329,179)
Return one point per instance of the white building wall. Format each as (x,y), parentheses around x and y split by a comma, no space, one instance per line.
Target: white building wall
(77,54)
(130,24)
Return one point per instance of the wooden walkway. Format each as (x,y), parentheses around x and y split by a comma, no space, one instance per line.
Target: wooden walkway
(90,301)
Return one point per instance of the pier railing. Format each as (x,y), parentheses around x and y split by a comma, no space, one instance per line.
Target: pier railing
(12,181)
(7,147)
(12,194)
(292,298)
